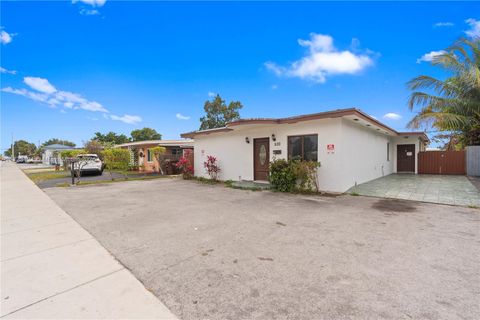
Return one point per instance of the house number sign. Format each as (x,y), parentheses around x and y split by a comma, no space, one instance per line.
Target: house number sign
(276,144)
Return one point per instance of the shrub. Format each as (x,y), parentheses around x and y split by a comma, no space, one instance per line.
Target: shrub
(185,166)
(117,159)
(157,153)
(68,156)
(294,175)
(212,168)
(306,174)
(71,153)
(282,175)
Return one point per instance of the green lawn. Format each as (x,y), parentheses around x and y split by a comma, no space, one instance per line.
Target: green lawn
(42,176)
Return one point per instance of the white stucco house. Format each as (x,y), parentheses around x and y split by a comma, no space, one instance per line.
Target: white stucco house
(351,146)
(51,153)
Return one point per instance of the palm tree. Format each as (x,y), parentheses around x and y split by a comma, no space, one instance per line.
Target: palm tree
(452,104)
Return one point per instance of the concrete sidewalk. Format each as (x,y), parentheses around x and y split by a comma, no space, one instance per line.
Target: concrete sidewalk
(52,268)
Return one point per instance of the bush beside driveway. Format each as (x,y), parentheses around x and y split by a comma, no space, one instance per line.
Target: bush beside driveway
(213,252)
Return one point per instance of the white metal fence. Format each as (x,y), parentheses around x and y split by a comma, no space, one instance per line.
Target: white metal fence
(473,160)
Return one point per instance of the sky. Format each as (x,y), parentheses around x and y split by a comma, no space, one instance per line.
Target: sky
(69,69)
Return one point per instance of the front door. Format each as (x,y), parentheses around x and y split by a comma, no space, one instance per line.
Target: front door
(141,155)
(261,158)
(406,158)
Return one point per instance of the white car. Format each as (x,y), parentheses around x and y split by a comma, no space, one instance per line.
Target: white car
(88,163)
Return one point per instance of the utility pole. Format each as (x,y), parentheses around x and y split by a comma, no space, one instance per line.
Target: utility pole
(13,149)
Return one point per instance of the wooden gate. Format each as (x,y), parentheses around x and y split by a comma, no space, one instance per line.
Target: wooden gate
(441,162)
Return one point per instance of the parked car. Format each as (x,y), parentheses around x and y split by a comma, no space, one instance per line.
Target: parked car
(88,163)
(22,159)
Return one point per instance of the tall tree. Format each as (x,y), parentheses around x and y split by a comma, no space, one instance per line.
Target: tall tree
(145,134)
(110,138)
(218,114)
(58,141)
(453,104)
(23,148)
(94,147)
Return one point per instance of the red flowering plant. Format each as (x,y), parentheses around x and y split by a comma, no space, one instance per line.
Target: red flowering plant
(212,168)
(184,165)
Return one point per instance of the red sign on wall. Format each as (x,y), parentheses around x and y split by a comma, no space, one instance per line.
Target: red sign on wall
(330,147)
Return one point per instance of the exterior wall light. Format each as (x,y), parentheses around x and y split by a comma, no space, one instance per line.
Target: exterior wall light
(247,140)
(273,137)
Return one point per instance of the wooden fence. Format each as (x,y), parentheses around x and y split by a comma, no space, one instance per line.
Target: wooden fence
(441,162)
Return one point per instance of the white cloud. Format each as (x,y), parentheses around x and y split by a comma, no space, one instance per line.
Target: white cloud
(39,84)
(5,37)
(276,69)
(126,118)
(182,117)
(39,97)
(3,70)
(392,116)
(212,94)
(93,3)
(89,12)
(322,60)
(49,95)
(44,92)
(429,56)
(274,87)
(474,31)
(444,24)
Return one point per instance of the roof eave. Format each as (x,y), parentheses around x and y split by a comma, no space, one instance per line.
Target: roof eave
(192,134)
(315,116)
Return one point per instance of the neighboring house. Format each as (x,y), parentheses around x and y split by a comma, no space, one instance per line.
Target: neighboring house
(351,146)
(51,153)
(142,158)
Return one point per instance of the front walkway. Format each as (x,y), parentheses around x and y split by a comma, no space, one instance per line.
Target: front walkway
(443,189)
(52,268)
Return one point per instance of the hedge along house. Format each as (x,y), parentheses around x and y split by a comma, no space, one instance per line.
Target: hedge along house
(351,146)
(142,158)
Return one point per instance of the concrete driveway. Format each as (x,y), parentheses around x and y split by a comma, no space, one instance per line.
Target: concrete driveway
(444,189)
(210,252)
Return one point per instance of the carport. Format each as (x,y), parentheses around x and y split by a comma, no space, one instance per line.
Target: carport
(443,189)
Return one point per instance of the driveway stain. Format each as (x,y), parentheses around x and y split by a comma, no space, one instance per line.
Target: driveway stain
(206,252)
(394,205)
(265,259)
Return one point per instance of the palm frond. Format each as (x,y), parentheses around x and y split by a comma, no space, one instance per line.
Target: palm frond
(441,120)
